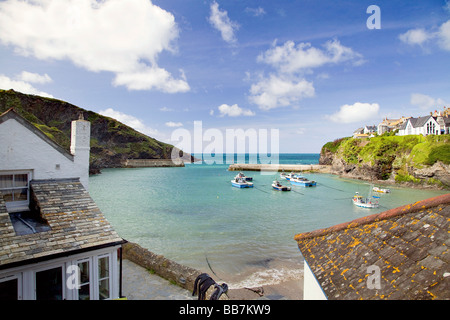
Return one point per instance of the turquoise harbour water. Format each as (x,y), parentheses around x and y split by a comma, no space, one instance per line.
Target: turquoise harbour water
(194,216)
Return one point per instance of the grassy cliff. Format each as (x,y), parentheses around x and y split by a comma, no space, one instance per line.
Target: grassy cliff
(402,158)
(112,142)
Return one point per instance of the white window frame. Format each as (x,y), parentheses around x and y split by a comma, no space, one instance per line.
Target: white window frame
(12,206)
(17,276)
(97,276)
(91,278)
(63,279)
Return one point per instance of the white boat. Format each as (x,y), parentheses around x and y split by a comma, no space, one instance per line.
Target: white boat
(362,202)
(241,183)
(381,190)
(277,186)
(243,176)
(302,181)
(289,176)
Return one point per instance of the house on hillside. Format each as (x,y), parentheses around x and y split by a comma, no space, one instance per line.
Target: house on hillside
(423,125)
(55,243)
(398,254)
(388,125)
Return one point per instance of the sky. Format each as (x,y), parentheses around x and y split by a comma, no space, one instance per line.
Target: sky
(314,70)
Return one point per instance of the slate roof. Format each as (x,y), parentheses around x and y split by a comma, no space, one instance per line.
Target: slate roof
(76,225)
(409,244)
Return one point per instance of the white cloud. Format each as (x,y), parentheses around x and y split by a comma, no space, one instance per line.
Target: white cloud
(290,58)
(165,109)
(287,86)
(220,21)
(130,121)
(21,85)
(444,35)
(34,77)
(355,113)
(122,37)
(234,111)
(256,12)
(172,124)
(415,37)
(419,36)
(426,103)
(276,91)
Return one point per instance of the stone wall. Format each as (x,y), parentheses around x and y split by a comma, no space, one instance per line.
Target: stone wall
(182,275)
(146,163)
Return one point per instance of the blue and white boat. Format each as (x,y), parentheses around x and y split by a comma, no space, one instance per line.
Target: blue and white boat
(277,186)
(288,177)
(302,181)
(239,182)
(243,176)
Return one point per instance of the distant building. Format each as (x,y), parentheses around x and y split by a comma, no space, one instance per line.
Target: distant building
(423,125)
(55,243)
(388,125)
(399,254)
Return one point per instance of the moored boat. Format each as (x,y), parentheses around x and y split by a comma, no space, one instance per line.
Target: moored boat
(362,202)
(289,176)
(302,181)
(381,190)
(277,186)
(241,183)
(243,176)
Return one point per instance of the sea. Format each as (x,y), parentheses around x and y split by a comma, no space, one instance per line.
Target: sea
(244,237)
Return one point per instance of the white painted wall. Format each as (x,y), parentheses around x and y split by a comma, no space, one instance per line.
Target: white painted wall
(311,288)
(22,149)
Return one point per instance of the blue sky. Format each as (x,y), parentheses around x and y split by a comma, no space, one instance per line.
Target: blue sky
(311,69)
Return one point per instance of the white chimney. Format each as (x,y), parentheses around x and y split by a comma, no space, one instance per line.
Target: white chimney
(80,148)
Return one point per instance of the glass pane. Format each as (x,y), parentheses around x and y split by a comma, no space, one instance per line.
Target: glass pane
(49,284)
(8,290)
(21,195)
(103,289)
(21,180)
(84,272)
(7,195)
(6,181)
(103,267)
(84,293)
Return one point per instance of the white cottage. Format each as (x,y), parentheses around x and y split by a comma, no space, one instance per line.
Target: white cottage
(423,125)
(55,243)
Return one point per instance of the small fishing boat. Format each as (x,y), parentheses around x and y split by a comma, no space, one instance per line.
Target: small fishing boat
(289,176)
(362,202)
(381,190)
(241,183)
(277,186)
(302,181)
(243,176)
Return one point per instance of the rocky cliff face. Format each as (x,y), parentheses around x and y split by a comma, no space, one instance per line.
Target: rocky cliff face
(112,142)
(388,165)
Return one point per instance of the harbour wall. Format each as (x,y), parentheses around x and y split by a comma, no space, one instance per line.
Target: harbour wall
(280,167)
(176,273)
(150,163)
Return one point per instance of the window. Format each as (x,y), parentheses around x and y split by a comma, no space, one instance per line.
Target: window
(84,291)
(49,284)
(10,288)
(104,283)
(14,187)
